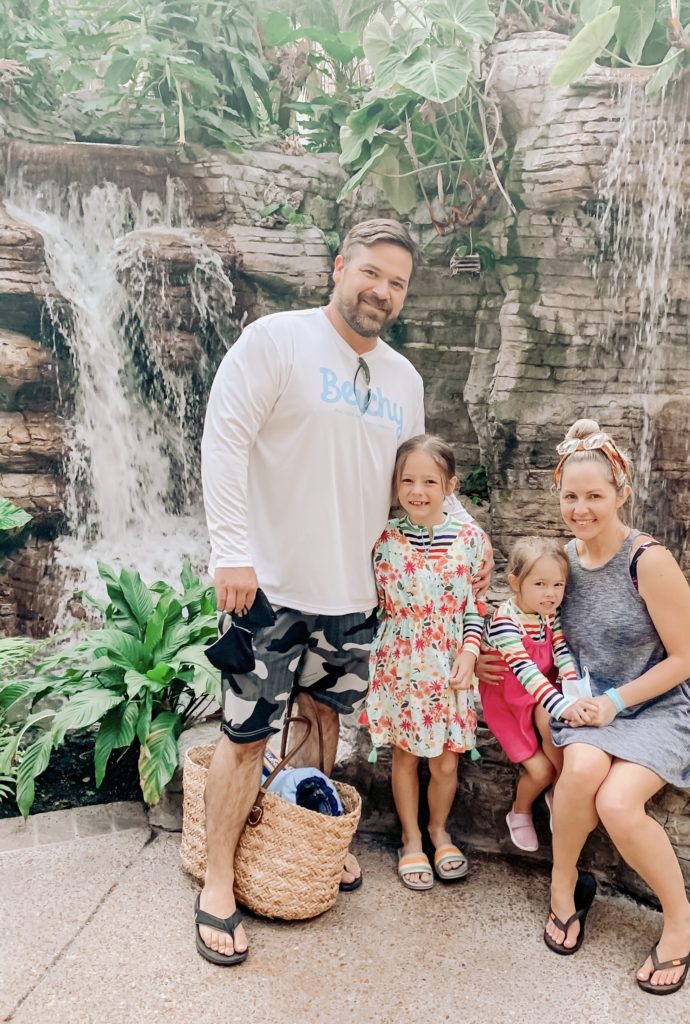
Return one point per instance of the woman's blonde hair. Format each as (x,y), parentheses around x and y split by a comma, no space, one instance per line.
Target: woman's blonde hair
(526,552)
(442,454)
(612,459)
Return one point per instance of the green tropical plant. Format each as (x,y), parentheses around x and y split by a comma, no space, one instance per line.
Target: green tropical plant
(142,677)
(11,516)
(189,74)
(319,62)
(637,33)
(427,121)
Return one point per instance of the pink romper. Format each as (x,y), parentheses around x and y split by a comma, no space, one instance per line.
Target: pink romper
(509,708)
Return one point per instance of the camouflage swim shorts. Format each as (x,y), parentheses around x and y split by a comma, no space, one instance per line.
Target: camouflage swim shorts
(325,655)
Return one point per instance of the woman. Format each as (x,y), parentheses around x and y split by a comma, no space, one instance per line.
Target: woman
(626,618)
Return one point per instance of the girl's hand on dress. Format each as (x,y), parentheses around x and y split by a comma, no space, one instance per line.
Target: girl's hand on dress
(462,671)
(580,712)
(490,666)
(604,713)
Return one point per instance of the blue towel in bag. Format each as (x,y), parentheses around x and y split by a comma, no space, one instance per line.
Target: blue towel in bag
(308,787)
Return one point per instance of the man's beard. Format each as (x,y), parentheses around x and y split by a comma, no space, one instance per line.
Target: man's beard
(355,317)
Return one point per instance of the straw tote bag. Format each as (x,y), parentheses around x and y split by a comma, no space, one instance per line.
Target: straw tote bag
(289,859)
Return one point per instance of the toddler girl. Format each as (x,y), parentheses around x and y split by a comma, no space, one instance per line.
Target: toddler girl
(423,655)
(526,631)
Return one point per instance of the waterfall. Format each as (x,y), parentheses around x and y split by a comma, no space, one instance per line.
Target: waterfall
(132,469)
(642,233)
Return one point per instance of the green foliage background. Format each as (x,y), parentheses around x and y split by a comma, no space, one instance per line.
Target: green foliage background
(397,88)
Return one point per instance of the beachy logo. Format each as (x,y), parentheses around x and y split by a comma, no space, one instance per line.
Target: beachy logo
(334,391)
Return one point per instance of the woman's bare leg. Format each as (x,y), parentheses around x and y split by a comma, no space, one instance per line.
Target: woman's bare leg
(574,817)
(647,849)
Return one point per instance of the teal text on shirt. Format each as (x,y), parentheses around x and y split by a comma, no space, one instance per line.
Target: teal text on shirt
(343,392)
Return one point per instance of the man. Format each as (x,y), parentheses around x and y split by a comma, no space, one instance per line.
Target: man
(304,419)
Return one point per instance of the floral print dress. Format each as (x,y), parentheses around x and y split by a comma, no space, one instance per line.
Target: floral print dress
(427,612)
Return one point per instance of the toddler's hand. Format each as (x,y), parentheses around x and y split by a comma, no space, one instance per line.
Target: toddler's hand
(581,712)
(462,671)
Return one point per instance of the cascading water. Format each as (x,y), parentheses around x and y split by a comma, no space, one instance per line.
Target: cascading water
(642,230)
(133,489)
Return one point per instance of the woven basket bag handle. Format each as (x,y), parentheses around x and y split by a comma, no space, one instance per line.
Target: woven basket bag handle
(257,812)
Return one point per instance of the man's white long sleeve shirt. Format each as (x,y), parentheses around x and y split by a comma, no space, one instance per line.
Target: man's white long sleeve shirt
(296,476)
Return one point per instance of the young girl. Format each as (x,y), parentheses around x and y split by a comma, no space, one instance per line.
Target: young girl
(423,655)
(526,631)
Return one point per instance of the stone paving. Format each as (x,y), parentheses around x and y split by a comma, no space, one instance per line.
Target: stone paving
(84,893)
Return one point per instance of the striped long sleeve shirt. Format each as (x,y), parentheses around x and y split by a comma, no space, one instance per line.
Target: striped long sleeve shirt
(504,633)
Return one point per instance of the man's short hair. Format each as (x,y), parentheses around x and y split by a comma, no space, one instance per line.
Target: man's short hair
(380,230)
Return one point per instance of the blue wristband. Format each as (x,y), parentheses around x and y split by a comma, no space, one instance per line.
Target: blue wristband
(615,698)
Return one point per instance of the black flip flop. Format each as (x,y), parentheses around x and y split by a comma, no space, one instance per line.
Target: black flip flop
(585,891)
(667,965)
(221,924)
(351,886)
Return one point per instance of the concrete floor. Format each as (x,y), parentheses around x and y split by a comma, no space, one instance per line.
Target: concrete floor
(98,930)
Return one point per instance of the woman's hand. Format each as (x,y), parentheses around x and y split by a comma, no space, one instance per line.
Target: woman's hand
(580,712)
(490,666)
(462,671)
(604,711)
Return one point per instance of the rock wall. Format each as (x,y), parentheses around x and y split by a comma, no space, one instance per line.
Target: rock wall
(567,343)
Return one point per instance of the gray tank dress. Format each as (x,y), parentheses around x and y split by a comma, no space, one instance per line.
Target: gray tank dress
(609,631)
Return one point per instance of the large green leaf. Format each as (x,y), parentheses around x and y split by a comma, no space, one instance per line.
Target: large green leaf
(471,20)
(336,46)
(82,710)
(34,761)
(18,690)
(122,648)
(277,29)
(117,729)
(206,677)
(11,516)
(181,634)
(352,183)
(377,40)
(136,682)
(663,74)
(635,23)
(159,755)
(167,610)
(8,753)
(136,595)
(144,719)
(436,74)
(584,49)
(591,9)
(188,577)
(400,191)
